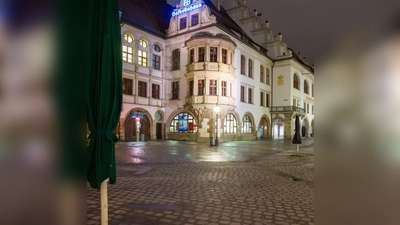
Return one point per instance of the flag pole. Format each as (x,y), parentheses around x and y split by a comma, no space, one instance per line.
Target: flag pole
(104,202)
(297,149)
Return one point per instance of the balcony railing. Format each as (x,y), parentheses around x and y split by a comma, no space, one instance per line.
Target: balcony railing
(287,109)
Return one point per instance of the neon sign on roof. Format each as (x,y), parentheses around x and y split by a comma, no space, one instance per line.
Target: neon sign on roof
(187,8)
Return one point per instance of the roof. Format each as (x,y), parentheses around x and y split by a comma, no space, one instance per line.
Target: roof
(151,15)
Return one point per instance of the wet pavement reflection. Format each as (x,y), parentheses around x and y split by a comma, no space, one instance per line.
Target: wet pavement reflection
(171,151)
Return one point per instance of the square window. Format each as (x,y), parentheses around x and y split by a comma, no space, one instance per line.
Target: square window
(182,23)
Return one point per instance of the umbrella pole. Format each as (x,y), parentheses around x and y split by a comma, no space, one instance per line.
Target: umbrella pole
(297,149)
(104,203)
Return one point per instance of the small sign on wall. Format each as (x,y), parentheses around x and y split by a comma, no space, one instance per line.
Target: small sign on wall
(280,80)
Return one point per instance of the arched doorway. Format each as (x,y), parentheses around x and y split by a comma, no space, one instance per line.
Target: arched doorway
(278,129)
(138,122)
(263,128)
(305,128)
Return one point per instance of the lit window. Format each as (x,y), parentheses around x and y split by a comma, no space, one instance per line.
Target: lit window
(213,87)
(127,54)
(200,87)
(183,123)
(156,62)
(144,43)
(128,38)
(213,54)
(223,88)
(230,124)
(202,51)
(176,56)
(142,58)
(247,126)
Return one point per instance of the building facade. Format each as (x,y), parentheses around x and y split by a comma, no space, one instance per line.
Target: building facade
(206,69)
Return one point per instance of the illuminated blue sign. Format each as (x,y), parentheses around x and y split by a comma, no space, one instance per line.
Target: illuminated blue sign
(180,11)
(186,2)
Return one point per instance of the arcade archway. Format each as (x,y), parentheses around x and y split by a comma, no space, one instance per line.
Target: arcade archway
(263,128)
(138,122)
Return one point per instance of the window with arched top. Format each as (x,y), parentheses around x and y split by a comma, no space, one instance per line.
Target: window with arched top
(305,87)
(230,124)
(296,81)
(144,43)
(128,48)
(247,125)
(129,38)
(183,123)
(157,48)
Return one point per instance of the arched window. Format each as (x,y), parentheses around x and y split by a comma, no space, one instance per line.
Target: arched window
(157,48)
(247,125)
(129,38)
(144,43)
(183,123)
(296,81)
(305,87)
(127,49)
(230,124)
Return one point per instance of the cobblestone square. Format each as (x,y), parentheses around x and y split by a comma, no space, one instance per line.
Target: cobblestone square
(247,182)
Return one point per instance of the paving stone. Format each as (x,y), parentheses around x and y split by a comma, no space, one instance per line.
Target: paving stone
(186,192)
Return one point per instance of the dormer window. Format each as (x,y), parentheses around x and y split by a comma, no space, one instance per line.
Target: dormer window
(182,23)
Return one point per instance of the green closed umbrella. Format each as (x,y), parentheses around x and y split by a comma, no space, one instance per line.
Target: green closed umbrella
(104,92)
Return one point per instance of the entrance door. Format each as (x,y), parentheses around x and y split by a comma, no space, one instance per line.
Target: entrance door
(159,130)
(303,131)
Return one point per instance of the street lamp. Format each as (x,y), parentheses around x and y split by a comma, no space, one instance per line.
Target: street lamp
(216,110)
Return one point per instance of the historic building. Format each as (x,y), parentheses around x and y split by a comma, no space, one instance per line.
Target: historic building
(206,68)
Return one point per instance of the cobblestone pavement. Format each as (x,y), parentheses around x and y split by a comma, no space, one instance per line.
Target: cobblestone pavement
(249,182)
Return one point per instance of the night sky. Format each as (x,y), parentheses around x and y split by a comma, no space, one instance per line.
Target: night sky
(316,27)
